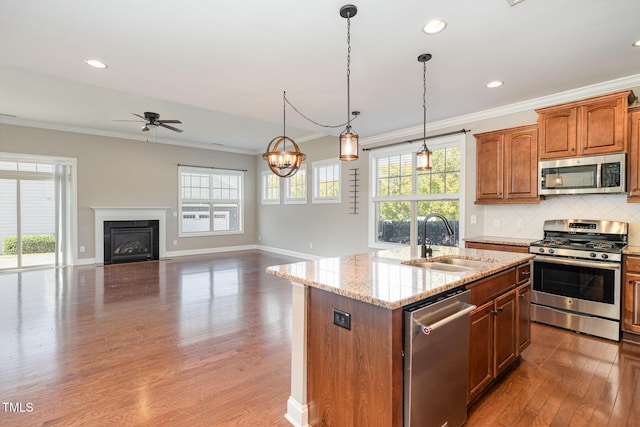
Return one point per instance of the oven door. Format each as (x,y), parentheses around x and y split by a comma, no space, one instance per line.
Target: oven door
(586,287)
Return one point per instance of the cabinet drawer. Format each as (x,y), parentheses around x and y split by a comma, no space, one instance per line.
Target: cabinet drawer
(632,263)
(523,272)
(486,289)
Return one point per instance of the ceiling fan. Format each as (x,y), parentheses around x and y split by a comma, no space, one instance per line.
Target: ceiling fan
(153,119)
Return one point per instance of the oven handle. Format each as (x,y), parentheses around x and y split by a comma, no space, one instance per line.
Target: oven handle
(566,261)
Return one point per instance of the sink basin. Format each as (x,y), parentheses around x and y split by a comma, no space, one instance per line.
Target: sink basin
(451,263)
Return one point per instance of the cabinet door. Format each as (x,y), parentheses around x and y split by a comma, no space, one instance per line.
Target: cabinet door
(523,318)
(521,164)
(603,126)
(634,156)
(480,350)
(505,331)
(631,321)
(489,173)
(558,133)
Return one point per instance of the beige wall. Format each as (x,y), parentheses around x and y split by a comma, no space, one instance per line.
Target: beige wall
(116,172)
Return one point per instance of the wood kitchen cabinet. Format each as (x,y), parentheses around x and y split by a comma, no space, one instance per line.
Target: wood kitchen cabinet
(507,165)
(588,127)
(633,194)
(493,343)
(497,247)
(523,307)
(631,295)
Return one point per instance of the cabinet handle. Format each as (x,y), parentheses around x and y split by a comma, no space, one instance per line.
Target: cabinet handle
(495,313)
(573,149)
(526,273)
(521,296)
(500,308)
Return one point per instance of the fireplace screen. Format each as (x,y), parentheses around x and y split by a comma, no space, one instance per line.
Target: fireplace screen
(129,241)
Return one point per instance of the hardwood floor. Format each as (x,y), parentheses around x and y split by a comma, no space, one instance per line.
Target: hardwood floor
(206,341)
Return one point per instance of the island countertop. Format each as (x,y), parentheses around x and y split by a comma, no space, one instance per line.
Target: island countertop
(380,278)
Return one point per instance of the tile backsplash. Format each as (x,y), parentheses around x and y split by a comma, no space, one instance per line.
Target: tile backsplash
(527,220)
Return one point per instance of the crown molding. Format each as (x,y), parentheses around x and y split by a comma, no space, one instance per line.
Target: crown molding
(544,101)
(10,120)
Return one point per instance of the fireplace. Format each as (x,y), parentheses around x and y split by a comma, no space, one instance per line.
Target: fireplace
(131,241)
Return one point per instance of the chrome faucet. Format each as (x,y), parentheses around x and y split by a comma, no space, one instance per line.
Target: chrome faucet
(424,251)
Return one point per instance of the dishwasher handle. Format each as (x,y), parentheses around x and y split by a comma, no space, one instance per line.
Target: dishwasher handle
(427,329)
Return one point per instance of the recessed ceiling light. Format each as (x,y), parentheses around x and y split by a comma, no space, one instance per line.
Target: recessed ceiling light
(636,43)
(495,83)
(514,2)
(95,63)
(434,26)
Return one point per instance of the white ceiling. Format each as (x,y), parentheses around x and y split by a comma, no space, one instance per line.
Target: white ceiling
(221,66)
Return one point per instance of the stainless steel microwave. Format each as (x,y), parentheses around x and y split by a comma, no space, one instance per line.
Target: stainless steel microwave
(582,175)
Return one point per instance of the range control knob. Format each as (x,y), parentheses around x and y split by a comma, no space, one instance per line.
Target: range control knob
(592,254)
(551,251)
(605,256)
(541,250)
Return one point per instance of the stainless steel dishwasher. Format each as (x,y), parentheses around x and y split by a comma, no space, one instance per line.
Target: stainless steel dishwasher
(436,360)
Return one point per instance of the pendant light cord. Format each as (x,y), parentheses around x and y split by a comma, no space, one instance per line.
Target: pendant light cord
(348,72)
(313,121)
(424,104)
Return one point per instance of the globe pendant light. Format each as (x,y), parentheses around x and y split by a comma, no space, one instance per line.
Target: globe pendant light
(423,157)
(348,138)
(282,162)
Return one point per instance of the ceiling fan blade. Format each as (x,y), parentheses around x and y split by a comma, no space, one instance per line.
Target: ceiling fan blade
(170,127)
(138,115)
(137,121)
(169,121)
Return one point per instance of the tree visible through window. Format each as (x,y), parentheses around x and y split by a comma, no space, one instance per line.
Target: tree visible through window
(403,197)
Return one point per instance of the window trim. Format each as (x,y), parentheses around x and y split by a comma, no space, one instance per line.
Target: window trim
(457,140)
(265,200)
(288,200)
(211,202)
(320,164)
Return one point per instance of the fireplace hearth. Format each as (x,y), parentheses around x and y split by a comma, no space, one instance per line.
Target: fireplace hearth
(131,241)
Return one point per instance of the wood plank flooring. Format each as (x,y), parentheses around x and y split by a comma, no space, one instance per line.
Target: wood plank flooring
(205,341)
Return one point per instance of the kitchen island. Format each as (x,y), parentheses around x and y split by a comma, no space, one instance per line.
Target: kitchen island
(354,375)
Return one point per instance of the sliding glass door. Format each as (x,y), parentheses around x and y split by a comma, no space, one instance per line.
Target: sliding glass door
(33,218)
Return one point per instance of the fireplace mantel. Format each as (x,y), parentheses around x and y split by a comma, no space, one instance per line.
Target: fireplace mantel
(103,214)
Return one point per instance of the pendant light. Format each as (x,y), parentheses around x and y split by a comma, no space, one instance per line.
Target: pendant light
(282,162)
(348,138)
(423,157)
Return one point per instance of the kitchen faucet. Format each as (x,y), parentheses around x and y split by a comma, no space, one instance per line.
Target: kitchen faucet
(424,251)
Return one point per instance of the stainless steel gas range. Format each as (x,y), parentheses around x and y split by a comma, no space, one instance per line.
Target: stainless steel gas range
(577,276)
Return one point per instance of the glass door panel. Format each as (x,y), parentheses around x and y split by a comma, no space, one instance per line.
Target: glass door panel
(8,224)
(37,222)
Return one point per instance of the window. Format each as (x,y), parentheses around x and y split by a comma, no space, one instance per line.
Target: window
(326,181)
(402,197)
(270,188)
(211,201)
(296,187)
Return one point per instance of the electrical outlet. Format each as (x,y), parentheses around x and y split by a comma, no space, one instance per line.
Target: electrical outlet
(310,245)
(341,318)
(82,249)
(473,219)
(521,224)
(175,214)
(175,243)
(496,223)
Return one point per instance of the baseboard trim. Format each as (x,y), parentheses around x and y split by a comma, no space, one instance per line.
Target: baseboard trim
(289,253)
(205,251)
(297,414)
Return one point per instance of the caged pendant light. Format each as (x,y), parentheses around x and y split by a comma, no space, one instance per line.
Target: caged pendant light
(282,162)
(423,157)
(348,138)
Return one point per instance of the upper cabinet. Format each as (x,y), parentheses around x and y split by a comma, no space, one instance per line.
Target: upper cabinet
(507,165)
(583,128)
(634,155)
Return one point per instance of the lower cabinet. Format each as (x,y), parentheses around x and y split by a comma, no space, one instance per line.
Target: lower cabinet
(500,327)
(631,295)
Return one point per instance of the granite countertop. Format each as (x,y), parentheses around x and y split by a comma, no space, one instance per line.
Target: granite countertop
(380,278)
(511,241)
(631,250)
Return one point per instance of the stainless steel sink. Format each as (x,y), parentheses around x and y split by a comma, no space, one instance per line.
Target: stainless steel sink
(451,263)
